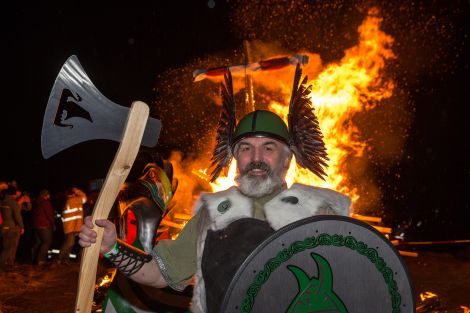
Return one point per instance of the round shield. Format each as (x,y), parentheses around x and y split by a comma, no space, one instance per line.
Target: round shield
(322,264)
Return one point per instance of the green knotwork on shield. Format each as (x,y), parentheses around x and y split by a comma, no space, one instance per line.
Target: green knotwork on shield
(315,293)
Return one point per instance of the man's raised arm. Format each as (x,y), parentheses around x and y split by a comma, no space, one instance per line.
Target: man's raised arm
(134,263)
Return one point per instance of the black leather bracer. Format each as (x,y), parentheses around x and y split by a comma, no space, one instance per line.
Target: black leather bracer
(128,259)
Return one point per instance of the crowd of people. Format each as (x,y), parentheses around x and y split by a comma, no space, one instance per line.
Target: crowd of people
(32,225)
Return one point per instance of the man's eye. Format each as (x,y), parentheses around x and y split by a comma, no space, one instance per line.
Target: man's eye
(245,149)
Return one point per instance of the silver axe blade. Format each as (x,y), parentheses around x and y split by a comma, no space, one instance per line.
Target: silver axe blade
(78,112)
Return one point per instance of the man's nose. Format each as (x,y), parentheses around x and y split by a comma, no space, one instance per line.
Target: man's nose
(257,154)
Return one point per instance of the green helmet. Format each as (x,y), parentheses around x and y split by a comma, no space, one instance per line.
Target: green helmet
(261,123)
(303,136)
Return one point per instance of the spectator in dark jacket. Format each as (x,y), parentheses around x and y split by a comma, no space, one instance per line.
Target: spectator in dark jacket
(43,224)
(12,227)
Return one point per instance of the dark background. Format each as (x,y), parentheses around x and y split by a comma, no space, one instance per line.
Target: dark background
(126,49)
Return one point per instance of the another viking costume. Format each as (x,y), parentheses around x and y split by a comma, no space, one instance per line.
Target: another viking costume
(146,201)
(228,225)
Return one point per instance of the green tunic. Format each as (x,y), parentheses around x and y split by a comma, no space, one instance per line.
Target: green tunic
(180,255)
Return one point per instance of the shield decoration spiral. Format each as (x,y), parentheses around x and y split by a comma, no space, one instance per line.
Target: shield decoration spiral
(322,264)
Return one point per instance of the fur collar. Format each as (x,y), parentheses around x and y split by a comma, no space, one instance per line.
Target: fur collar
(290,205)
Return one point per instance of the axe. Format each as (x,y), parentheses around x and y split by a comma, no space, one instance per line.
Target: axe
(78,112)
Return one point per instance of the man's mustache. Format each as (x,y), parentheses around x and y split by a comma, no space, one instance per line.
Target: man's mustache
(257,165)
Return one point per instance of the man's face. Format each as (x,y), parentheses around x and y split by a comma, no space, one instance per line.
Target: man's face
(258,150)
(262,164)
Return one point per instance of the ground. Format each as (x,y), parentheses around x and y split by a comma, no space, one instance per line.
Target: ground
(444,271)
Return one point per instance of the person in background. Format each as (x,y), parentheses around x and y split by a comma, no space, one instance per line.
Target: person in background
(43,224)
(25,242)
(3,187)
(72,219)
(12,227)
(24,200)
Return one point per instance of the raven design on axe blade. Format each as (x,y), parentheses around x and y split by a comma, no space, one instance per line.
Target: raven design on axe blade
(78,112)
(68,108)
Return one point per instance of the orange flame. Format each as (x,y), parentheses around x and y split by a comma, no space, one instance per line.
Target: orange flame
(427,295)
(107,279)
(224,182)
(339,91)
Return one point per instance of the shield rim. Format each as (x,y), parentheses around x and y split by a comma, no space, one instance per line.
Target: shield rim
(309,220)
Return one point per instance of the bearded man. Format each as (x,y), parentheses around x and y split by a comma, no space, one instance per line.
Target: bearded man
(228,225)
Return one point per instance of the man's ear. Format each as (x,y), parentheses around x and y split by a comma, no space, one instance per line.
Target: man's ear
(287,162)
(235,150)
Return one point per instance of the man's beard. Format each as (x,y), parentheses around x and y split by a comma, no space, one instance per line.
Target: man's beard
(259,186)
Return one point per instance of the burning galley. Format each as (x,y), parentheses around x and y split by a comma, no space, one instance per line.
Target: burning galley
(340,90)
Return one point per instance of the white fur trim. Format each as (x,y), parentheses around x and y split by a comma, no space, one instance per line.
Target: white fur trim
(240,207)
(311,201)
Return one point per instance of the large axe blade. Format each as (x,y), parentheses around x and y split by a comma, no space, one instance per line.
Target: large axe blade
(78,112)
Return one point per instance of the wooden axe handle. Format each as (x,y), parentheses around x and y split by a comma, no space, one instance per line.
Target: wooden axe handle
(117,174)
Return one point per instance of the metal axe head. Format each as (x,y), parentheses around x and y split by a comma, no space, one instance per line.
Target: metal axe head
(78,112)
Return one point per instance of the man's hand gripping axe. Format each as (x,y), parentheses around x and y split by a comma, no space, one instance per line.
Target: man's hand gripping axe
(78,112)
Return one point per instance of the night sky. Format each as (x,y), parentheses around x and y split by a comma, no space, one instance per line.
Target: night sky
(132,52)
